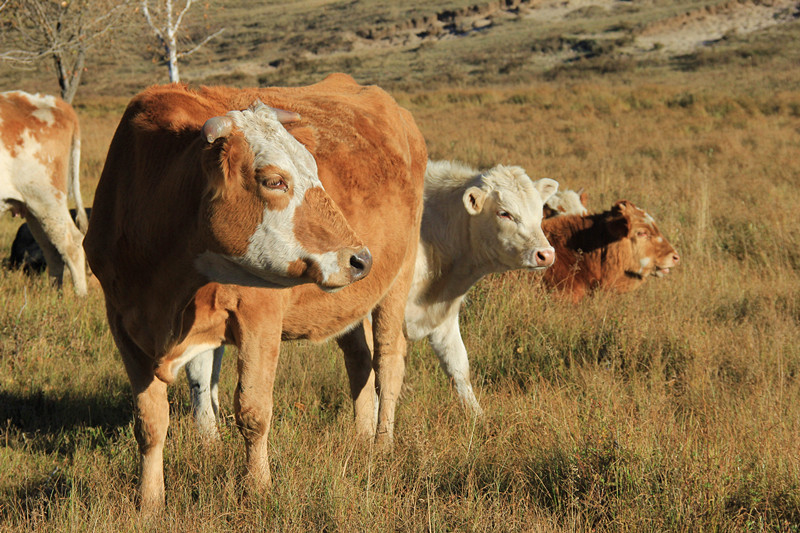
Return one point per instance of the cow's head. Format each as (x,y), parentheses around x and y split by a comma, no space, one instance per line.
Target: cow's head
(567,202)
(268,219)
(652,254)
(506,222)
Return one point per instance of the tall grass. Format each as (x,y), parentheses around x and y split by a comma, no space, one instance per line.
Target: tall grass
(676,407)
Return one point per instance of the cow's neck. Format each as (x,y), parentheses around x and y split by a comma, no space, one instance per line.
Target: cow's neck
(453,266)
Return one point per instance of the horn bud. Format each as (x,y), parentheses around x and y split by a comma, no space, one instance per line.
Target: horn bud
(285,116)
(217,127)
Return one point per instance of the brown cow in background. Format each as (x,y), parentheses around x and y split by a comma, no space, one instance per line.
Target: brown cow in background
(617,249)
(40,150)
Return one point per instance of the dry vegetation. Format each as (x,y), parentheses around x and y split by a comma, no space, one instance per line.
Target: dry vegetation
(676,407)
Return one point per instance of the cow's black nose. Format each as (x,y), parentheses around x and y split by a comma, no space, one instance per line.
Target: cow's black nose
(360,264)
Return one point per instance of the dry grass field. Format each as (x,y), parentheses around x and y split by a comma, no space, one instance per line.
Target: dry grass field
(673,408)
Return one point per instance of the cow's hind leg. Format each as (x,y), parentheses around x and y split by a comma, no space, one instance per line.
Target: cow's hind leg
(55,265)
(56,231)
(358,361)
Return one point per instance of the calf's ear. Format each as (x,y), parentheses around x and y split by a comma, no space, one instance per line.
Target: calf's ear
(474,197)
(546,188)
(619,225)
(584,197)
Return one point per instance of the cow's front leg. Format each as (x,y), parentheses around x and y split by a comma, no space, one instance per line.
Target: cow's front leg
(358,362)
(258,360)
(389,359)
(449,348)
(202,374)
(151,420)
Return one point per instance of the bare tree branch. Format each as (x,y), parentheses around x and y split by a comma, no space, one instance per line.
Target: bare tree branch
(63,32)
(204,41)
(167,29)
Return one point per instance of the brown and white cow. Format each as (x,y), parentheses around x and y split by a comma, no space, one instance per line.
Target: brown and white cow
(617,249)
(177,212)
(40,148)
(474,223)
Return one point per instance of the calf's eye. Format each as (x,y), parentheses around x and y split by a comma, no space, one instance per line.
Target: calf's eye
(505,214)
(642,234)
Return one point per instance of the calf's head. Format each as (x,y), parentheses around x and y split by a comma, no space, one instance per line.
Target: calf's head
(268,221)
(506,222)
(567,202)
(651,253)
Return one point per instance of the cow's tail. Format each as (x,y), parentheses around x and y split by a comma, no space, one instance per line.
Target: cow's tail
(75,182)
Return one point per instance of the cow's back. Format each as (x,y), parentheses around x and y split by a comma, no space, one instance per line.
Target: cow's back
(371,159)
(38,130)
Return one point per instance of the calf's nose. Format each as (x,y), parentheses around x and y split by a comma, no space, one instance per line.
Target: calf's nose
(360,264)
(676,257)
(545,257)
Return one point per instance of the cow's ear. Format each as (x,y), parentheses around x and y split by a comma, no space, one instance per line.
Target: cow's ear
(619,225)
(474,197)
(225,162)
(546,188)
(584,197)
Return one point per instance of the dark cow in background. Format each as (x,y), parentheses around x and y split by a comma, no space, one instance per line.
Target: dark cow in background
(26,254)
(617,249)
(39,161)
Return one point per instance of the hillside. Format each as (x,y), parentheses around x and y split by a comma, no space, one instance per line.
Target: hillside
(418,46)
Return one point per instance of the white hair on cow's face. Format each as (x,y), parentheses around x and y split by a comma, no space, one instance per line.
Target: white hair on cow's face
(272,144)
(274,246)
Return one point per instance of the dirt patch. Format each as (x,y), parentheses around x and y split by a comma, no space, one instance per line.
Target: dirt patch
(671,36)
(444,24)
(702,27)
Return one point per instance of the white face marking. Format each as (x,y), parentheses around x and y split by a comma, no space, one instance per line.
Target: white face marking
(273,245)
(659,239)
(643,262)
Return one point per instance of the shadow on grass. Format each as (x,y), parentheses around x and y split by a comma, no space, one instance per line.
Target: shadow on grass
(58,423)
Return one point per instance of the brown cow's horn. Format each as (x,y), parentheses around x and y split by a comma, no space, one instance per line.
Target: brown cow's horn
(285,116)
(217,127)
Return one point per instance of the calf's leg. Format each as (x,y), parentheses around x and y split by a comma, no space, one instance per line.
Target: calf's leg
(449,347)
(202,374)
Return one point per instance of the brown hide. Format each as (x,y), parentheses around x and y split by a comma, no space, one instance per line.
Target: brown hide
(39,132)
(371,159)
(604,251)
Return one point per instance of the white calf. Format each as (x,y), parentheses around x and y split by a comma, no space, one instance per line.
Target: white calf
(473,224)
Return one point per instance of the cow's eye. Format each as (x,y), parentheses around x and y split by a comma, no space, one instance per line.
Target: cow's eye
(505,214)
(273,182)
(642,234)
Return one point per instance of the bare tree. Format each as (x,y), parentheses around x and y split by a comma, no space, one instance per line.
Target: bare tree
(63,32)
(167,27)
